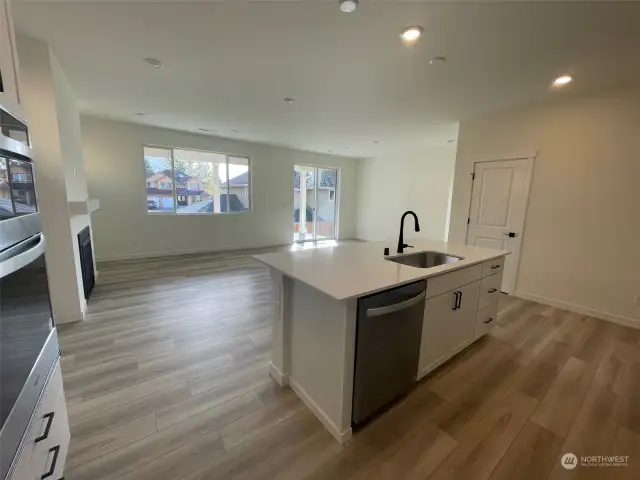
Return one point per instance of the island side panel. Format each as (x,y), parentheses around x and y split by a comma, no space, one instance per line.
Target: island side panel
(279,366)
(322,356)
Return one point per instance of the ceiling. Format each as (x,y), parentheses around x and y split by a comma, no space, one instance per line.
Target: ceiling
(359,91)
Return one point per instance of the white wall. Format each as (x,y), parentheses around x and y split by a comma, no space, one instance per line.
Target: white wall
(582,228)
(420,182)
(123,229)
(52,115)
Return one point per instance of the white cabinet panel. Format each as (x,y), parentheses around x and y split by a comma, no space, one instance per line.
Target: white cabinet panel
(493,266)
(485,320)
(448,281)
(448,325)
(489,290)
(47,439)
(10,95)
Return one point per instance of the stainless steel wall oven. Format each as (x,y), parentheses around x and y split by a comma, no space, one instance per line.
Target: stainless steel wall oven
(28,342)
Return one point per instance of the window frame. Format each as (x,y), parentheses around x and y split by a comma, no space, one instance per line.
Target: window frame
(227,155)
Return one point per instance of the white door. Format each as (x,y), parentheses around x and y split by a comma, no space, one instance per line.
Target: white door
(498,204)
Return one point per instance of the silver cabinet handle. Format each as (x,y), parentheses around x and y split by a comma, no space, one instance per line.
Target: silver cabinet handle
(492,290)
(493,267)
(376,312)
(488,320)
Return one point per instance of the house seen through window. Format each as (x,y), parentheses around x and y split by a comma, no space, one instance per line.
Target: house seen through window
(180,181)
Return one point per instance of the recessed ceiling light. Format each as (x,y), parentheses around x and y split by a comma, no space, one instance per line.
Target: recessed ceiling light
(330,151)
(153,62)
(411,34)
(140,114)
(235,130)
(375,141)
(205,130)
(289,100)
(436,60)
(451,140)
(563,80)
(348,6)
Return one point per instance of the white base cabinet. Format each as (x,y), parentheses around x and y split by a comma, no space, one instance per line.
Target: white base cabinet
(456,318)
(47,439)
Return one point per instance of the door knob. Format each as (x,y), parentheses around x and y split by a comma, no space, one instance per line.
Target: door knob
(510,234)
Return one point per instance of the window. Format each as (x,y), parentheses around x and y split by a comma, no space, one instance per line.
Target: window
(332,195)
(195,182)
(19,177)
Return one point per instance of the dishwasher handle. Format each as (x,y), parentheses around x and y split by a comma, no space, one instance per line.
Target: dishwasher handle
(376,312)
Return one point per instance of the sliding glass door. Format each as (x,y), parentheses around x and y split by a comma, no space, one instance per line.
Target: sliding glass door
(315,199)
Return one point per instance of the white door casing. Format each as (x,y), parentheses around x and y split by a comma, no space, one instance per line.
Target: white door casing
(498,206)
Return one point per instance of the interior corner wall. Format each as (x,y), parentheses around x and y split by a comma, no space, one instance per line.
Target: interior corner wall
(389,186)
(123,229)
(580,241)
(52,117)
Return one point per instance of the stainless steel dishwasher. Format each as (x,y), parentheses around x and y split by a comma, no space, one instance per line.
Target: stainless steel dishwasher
(388,335)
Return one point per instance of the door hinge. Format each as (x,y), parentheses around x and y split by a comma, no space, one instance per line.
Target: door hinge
(473,176)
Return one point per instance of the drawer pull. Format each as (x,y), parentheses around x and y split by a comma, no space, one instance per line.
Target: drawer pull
(488,320)
(492,290)
(49,416)
(52,468)
(493,267)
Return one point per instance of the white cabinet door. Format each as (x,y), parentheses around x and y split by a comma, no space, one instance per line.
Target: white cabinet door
(9,94)
(448,326)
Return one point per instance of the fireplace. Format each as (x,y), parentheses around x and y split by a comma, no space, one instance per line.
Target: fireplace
(86,261)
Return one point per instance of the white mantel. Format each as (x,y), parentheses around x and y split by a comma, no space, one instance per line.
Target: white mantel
(83,207)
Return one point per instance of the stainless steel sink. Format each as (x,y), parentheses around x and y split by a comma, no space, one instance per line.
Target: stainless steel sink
(424,259)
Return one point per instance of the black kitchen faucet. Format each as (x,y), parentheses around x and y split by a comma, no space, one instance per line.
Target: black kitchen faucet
(401,244)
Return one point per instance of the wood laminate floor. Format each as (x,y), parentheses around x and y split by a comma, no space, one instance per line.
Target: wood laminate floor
(167,380)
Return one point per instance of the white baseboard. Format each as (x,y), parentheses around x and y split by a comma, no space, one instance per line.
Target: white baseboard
(341,437)
(278,376)
(134,256)
(229,249)
(610,317)
(70,318)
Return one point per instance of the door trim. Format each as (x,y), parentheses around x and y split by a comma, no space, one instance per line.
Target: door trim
(527,186)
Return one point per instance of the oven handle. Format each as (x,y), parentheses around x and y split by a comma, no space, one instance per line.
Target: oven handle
(18,257)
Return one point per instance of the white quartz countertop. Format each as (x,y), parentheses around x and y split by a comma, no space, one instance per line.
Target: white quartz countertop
(357,269)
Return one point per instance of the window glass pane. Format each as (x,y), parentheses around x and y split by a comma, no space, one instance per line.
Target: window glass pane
(195,182)
(6,204)
(303,203)
(326,211)
(159,179)
(224,189)
(198,184)
(239,182)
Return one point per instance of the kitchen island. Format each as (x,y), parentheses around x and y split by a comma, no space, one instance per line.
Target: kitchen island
(319,318)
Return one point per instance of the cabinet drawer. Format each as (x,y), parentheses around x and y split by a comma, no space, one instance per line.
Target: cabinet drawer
(456,279)
(49,428)
(489,290)
(485,319)
(493,266)
(55,449)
